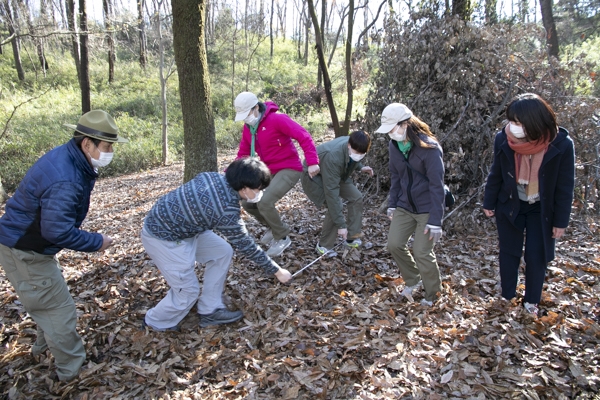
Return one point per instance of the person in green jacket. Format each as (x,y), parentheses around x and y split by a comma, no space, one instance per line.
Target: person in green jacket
(338,159)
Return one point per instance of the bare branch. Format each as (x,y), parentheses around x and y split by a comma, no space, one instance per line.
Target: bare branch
(12,114)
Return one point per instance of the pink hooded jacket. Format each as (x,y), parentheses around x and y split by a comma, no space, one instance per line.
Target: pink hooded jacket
(273,142)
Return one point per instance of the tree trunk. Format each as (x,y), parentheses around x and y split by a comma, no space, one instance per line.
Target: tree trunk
(110,42)
(323,29)
(462,8)
(3,195)
(349,85)
(141,4)
(163,87)
(194,87)
(491,15)
(11,21)
(550,26)
(70,6)
(39,42)
(271,27)
(306,39)
(323,65)
(86,102)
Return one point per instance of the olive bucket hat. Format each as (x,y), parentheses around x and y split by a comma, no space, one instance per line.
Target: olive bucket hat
(98,124)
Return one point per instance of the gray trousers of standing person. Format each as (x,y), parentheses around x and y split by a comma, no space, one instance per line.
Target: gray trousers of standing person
(42,290)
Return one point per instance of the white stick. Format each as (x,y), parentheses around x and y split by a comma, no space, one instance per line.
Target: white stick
(317,259)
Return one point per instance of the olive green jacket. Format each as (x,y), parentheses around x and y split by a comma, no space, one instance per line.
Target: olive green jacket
(336,168)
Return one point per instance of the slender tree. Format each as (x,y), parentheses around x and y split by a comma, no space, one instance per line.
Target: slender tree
(38,35)
(462,8)
(194,87)
(110,41)
(141,4)
(491,15)
(71,20)
(10,14)
(323,65)
(550,26)
(84,82)
(349,84)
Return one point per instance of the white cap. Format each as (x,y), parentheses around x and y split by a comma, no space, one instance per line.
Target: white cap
(244,102)
(393,114)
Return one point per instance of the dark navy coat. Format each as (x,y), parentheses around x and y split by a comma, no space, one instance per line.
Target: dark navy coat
(556,185)
(51,202)
(419,189)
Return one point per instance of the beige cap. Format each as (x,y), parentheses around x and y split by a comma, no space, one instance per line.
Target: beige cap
(391,115)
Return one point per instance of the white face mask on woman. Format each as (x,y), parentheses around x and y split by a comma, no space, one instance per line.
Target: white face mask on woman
(516,130)
(256,197)
(398,134)
(251,119)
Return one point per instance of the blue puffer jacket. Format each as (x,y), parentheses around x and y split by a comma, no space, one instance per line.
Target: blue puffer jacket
(51,202)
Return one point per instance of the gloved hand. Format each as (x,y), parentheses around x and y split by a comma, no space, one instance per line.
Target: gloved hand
(283,275)
(390,213)
(343,232)
(435,232)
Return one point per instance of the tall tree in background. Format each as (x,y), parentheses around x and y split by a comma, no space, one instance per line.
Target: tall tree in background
(141,4)
(9,12)
(70,6)
(37,33)
(463,9)
(110,41)
(84,82)
(550,26)
(491,15)
(349,85)
(324,70)
(194,87)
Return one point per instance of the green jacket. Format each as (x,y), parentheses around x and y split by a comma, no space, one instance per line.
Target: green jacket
(336,167)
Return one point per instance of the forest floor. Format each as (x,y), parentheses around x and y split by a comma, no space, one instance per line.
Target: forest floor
(340,330)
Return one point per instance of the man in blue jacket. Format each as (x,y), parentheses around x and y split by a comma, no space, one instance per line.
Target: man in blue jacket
(44,217)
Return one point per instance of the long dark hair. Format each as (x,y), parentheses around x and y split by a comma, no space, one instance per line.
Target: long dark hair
(535,115)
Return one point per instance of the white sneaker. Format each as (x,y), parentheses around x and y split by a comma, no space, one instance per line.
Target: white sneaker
(267,237)
(408,290)
(426,303)
(278,246)
(531,309)
(328,253)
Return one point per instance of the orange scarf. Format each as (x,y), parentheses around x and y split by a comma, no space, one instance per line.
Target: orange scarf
(528,159)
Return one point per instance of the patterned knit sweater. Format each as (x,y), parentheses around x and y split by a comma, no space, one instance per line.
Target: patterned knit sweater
(207,202)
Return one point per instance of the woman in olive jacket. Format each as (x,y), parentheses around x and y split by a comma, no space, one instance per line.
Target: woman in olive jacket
(530,191)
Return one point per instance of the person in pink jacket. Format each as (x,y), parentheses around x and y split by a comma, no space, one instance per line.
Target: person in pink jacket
(268,134)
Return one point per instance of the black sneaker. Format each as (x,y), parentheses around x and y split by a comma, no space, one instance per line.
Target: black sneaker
(175,328)
(220,316)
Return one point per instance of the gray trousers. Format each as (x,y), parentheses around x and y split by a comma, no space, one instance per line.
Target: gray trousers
(264,211)
(43,292)
(176,261)
(424,264)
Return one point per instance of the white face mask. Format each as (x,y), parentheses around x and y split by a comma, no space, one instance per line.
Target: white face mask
(251,119)
(256,198)
(398,134)
(103,160)
(355,156)
(517,131)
